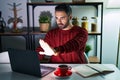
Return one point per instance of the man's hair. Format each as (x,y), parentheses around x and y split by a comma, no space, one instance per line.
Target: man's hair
(64,7)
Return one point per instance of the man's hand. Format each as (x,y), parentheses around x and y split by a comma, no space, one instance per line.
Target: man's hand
(45,53)
(47,49)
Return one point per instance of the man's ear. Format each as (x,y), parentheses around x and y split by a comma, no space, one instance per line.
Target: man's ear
(70,17)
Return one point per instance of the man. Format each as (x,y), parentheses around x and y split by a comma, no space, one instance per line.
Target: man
(66,43)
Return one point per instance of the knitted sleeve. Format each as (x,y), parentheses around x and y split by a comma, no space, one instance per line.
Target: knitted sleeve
(77,43)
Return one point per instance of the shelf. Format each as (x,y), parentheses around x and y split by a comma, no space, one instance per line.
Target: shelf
(36,33)
(89,33)
(70,3)
(8,32)
(94,33)
(93,59)
(98,11)
(13,34)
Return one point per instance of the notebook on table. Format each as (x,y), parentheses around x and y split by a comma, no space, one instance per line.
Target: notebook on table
(89,70)
(27,62)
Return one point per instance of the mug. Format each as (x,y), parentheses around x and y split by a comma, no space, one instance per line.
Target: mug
(63,69)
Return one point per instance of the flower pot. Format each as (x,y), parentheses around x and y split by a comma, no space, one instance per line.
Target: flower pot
(44,27)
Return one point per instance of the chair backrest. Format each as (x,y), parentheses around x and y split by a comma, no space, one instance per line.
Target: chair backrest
(86,57)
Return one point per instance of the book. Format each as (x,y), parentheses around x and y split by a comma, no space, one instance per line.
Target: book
(88,70)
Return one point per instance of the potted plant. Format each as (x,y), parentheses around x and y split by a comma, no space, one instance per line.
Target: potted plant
(87,49)
(45,21)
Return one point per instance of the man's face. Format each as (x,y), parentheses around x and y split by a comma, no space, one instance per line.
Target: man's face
(62,19)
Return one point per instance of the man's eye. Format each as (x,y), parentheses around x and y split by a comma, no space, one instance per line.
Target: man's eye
(56,18)
(63,18)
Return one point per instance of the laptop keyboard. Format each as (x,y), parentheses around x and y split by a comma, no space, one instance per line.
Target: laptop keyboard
(46,70)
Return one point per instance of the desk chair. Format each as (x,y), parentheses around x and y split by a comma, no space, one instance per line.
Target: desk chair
(86,58)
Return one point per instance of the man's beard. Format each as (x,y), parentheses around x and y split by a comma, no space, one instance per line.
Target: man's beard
(62,26)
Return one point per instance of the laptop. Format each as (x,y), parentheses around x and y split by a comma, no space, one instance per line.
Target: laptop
(27,62)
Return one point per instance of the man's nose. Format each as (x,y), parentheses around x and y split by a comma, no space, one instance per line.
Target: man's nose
(59,20)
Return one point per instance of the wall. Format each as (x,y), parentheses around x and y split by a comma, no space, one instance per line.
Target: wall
(111,24)
(7,13)
(110,37)
(6,9)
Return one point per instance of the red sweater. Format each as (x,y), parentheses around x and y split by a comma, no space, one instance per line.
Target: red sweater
(70,43)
